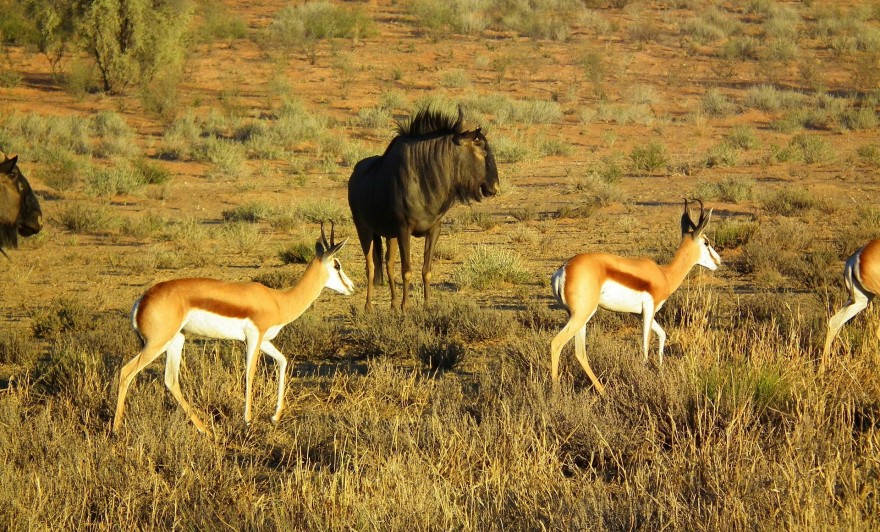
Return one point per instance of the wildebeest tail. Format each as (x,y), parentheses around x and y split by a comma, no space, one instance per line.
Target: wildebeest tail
(378,270)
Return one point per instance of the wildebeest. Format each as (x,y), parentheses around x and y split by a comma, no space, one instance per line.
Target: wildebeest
(20,212)
(430,165)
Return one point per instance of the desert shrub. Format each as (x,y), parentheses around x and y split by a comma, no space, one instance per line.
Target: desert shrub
(122,178)
(742,137)
(593,189)
(733,189)
(510,150)
(742,48)
(811,149)
(64,170)
(729,234)
(317,211)
(455,79)
(722,155)
(301,252)
(84,218)
(769,98)
(217,23)
(712,25)
(787,249)
(789,201)
(488,267)
(716,104)
(254,211)
(227,157)
(869,154)
(294,26)
(649,157)
(859,118)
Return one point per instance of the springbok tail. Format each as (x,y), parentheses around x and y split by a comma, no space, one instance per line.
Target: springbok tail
(378,269)
(557,283)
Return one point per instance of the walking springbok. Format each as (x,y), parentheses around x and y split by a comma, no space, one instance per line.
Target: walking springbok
(20,212)
(250,312)
(638,286)
(861,274)
(430,165)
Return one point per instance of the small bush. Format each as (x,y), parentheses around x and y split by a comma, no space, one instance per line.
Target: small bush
(297,253)
(83,218)
(488,267)
(252,212)
(649,158)
(742,137)
(716,104)
(733,189)
(789,201)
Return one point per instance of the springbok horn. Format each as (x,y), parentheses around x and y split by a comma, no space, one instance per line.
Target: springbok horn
(704,219)
(332,233)
(686,223)
(324,237)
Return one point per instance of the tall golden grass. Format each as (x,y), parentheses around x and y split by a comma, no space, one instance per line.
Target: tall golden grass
(741,428)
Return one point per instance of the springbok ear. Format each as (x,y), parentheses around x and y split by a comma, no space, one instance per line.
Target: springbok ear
(329,253)
(319,249)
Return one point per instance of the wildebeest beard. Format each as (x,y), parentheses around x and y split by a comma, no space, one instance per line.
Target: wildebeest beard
(8,236)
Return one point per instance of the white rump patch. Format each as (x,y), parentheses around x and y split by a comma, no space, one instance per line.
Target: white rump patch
(557,281)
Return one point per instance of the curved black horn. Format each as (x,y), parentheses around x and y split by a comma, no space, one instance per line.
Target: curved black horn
(332,233)
(460,119)
(687,224)
(324,237)
(704,219)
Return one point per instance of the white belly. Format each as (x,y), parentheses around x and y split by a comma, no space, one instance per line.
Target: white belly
(212,325)
(619,298)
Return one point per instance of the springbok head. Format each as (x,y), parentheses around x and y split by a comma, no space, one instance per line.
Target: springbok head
(20,212)
(708,257)
(325,253)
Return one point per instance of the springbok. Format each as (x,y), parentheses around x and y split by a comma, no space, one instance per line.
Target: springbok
(861,274)
(248,311)
(638,286)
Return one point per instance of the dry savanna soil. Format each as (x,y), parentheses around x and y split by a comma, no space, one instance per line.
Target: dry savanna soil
(602,116)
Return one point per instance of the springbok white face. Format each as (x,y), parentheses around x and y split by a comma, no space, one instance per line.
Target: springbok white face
(337,279)
(326,253)
(708,256)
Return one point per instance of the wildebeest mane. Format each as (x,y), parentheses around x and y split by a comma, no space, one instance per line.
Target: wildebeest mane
(429,121)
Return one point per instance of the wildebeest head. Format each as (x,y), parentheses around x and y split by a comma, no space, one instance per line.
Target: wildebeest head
(20,212)
(485,169)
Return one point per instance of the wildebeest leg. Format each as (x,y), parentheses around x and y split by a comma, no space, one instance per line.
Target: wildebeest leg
(430,240)
(390,258)
(377,260)
(366,238)
(405,265)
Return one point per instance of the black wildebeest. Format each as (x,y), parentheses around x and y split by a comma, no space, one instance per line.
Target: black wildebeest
(430,165)
(20,212)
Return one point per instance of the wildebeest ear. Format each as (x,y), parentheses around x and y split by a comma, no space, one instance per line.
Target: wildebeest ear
(465,136)
(7,165)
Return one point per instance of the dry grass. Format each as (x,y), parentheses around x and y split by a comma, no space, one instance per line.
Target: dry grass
(731,421)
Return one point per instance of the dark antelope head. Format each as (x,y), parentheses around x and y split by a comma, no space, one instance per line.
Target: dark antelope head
(325,253)
(708,257)
(20,212)
(480,155)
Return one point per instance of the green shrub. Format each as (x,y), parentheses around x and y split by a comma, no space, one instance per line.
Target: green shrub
(488,267)
(84,218)
(789,201)
(301,252)
(649,157)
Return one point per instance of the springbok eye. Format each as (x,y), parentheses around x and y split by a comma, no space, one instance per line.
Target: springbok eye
(337,265)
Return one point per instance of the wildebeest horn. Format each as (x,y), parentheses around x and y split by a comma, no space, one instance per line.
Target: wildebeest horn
(460,119)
